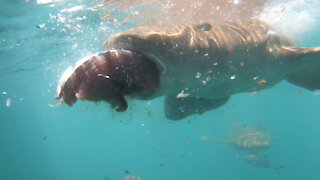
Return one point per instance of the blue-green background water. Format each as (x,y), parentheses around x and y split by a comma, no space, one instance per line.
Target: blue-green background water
(91,141)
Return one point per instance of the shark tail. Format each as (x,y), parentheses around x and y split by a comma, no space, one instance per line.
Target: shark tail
(277,169)
(307,73)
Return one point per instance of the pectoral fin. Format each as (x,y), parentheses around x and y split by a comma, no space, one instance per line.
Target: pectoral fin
(179,108)
(307,65)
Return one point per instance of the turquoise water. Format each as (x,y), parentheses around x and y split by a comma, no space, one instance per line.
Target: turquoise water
(91,141)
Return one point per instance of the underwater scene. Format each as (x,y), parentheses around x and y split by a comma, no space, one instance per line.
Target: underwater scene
(159,89)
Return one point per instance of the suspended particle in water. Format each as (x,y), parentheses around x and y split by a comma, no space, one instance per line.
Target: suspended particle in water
(262,82)
(182,94)
(254,93)
(41,26)
(233,77)
(8,102)
(75,46)
(198,75)
(206,138)
(208,72)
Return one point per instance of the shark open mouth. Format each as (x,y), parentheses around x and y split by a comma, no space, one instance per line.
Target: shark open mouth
(109,76)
